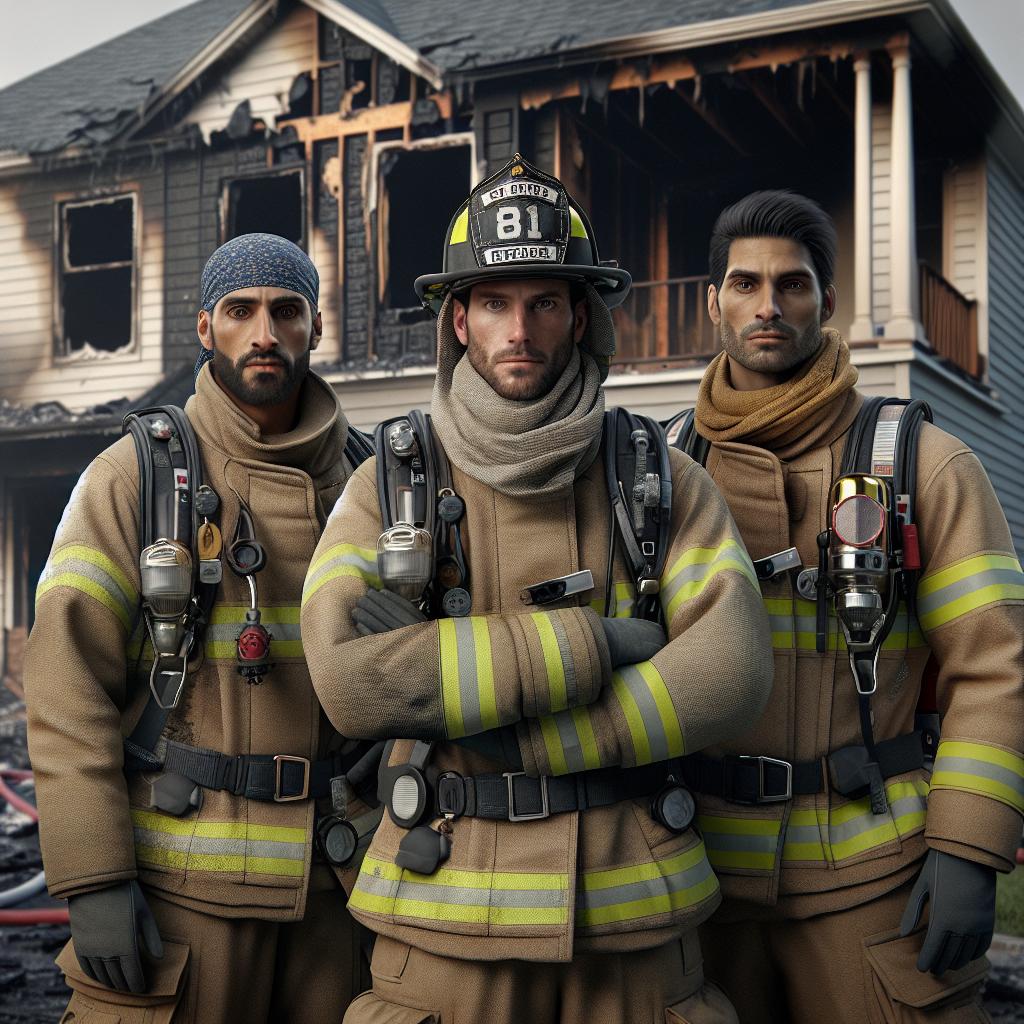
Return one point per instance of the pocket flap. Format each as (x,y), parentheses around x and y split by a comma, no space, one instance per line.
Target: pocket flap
(371,1009)
(894,960)
(165,977)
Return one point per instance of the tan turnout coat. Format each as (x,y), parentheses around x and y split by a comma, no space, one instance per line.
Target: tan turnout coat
(86,678)
(609,878)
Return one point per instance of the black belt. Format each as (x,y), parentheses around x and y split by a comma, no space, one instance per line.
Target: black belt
(272,777)
(743,779)
(514,796)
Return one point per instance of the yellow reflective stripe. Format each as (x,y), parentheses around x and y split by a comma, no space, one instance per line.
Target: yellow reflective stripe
(234,864)
(468,696)
(966,585)
(553,746)
(462,896)
(553,664)
(577,227)
(793,624)
(694,569)
(980,768)
(342,560)
(645,890)
(228,620)
(588,741)
(156,822)
(621,606)
(649,712)
(741,843)
(90,572)
(569,741)
(460,228)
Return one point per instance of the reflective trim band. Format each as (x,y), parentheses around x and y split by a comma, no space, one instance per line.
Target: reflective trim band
(228,620)
(90,572)
(558,663)
(650,715)
(460,228)
(577,227)
(460,896)
(794,624)
(622,603)
(966,585)
(744,843)
(219,846)
(695,568)
(849,830)
(467,676)
(980,768)
(342,560)
(570,742)
(644,890)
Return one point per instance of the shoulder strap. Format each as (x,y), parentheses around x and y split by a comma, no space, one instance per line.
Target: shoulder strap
(639,479)
(681,432)
(359,446)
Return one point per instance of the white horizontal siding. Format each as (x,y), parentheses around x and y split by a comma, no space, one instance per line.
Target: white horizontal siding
(263,75)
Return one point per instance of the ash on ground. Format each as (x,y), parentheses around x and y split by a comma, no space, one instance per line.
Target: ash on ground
(32,990)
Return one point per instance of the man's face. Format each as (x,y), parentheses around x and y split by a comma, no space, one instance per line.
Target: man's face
(769,310)
(519,335)
(261,339)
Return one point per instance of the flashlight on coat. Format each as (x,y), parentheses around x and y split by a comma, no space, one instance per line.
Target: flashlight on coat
(165,571)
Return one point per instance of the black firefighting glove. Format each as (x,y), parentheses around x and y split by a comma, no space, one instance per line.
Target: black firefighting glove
(380,611)
(632,640)
(962,915)
(108,927)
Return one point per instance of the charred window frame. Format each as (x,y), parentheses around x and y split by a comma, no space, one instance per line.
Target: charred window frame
(97,276)
(399,257)
(271,201)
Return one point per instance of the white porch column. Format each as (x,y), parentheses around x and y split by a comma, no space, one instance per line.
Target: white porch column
(863,327)
(904,324)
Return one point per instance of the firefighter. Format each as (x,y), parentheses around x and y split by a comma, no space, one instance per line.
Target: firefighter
(193,886)
(857,886)
(537,860)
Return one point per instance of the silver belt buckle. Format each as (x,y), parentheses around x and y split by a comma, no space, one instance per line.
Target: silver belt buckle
(280,760)
(762,760)
(545,809)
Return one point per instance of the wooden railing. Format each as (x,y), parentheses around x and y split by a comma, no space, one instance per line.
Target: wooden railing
(950,321)
(664,321)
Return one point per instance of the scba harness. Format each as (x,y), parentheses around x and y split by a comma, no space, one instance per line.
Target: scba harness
(868,561)
(420,554)
(181,568)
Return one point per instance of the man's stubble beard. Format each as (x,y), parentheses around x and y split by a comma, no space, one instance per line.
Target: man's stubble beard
(785,360)
(518,390)
(267,389)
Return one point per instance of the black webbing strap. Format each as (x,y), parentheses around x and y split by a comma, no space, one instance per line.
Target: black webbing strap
(760,780)
(682,433)
(515,796)
(267,777)
(358,447)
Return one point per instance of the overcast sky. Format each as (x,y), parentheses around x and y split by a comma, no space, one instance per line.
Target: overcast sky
(38,33)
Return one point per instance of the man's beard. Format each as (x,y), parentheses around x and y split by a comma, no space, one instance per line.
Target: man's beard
(783,359)
(518,389)
(264,388)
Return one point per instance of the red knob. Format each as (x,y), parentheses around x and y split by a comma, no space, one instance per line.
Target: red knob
(253,643)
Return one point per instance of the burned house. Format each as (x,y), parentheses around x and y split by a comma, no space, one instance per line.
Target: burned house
(356,127)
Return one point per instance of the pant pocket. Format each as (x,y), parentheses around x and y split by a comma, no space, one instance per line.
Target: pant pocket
(369,1008)
(899,993)
(92,1003)
(708,1005)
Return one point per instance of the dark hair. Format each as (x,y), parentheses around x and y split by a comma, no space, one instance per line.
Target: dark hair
(775,214)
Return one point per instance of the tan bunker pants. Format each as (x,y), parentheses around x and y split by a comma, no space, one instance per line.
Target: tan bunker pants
(218,970)
(850,966)
(664,985)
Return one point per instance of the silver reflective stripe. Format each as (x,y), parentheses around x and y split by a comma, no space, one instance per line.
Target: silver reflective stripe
(641,693)
(985,769)
(469,687)
(463,896)
(224,847)
(565,653)
(630,892)
(961,588)
(225,632)
(571,746)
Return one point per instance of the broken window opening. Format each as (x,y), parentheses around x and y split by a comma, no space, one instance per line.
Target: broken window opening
(271,203)
(412,230)
(97,275)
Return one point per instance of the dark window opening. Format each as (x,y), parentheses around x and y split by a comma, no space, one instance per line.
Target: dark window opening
(271,203)
(413,229)
(97,274)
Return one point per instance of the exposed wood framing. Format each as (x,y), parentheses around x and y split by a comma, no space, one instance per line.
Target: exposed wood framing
(362,122)
(711,120)
(771,103)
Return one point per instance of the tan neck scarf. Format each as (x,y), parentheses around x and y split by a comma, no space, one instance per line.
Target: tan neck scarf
(532,449)
(786,419)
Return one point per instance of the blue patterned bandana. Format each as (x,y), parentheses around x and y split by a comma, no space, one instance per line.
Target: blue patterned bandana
(256,261)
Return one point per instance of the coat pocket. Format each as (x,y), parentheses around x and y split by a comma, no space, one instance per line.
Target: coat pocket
(898,992)
(94,1004)
(371,1009)
(708,1005)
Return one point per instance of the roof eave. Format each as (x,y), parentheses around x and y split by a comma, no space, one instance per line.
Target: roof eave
(388,44)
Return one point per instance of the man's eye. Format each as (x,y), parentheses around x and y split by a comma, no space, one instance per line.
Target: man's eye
(743,286)
(238,312)
(287,312)
(544,305)
(794,286)
(494,305)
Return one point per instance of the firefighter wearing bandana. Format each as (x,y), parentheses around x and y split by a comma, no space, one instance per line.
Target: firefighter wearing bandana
(538,859)
(186,855)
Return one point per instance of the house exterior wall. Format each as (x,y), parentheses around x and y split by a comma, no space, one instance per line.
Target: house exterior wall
(881,211)
(993,430)
(33,368)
